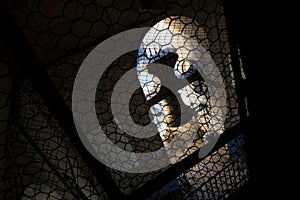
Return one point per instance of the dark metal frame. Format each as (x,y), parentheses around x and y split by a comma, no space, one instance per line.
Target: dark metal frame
(45,87)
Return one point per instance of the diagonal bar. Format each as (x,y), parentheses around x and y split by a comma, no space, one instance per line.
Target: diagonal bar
(50,95)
